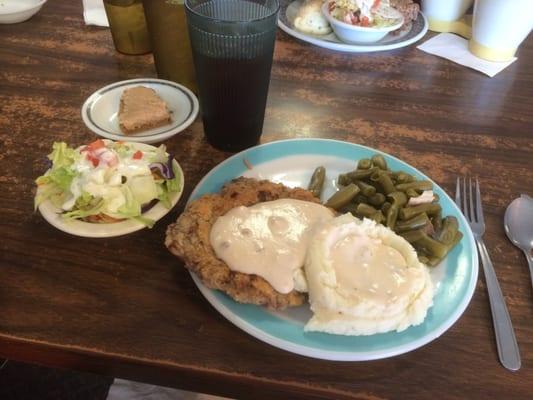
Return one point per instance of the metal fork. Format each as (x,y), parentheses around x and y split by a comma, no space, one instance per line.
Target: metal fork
(503,328)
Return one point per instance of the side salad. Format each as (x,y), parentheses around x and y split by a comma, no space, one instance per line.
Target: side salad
(106,181)
(365,13)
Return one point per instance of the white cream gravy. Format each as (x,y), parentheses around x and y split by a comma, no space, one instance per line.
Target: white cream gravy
(268,239)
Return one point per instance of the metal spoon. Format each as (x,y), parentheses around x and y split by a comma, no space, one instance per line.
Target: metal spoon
(518,223)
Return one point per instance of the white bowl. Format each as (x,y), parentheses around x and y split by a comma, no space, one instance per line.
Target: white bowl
(13,11)
(358,34)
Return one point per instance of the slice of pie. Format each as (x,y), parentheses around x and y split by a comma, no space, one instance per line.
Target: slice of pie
(141,109)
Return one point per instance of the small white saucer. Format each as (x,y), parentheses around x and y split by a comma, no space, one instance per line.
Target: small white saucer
(53,216)
(100,110)
(14,11)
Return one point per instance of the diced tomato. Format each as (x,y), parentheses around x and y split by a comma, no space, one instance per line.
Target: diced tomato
(93,159)
(97,144)
(138,155)
(376,3)
(365,21)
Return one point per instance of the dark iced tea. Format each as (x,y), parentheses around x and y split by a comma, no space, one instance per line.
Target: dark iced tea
(232,43)
(233,96)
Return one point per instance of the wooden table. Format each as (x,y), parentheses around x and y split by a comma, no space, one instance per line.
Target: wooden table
(126,307)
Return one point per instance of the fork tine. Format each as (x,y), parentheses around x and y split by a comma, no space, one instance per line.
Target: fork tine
(458,193)
(479,207)
(471,200)
(465,207)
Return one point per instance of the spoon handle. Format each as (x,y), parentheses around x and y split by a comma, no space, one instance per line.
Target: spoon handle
(530,263)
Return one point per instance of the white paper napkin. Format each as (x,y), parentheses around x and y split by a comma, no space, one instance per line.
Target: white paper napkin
(94,13)
(455,48)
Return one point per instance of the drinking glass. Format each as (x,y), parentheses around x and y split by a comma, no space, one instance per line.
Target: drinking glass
(232,44)
(169,36)
(128,26)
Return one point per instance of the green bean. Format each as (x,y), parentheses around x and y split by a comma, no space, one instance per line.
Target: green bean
(366,189)
(364,163)
(365,210)
(379,161)
(377,199)
(436,220)
(391,216)
(384,180)
(431,246)
(360,198)
(342,197)
(418,185)
(359,174)
(416,222)
(401,177)
(412,236)
(385,207)
(317,181)
(456,239)
(350,208)
(412,193)
(428,208)
(378,217)
(398,198)
(344,180)
(433,261)
(423,259)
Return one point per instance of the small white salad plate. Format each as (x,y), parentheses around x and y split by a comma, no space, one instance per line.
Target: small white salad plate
(289,9)
(14,11)
(52,214)
(100,110)
(292,163)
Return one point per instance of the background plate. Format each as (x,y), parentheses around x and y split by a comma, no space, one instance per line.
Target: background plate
(288,9)
(292,162)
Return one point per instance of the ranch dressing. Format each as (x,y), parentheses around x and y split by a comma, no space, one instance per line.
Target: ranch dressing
(268,239)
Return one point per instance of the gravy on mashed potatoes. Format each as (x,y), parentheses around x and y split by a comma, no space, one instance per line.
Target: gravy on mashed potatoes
(364,279)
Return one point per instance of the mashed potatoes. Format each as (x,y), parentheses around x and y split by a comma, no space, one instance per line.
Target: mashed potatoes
(364,279)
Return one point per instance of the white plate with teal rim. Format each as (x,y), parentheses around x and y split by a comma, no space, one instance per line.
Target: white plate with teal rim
(292,162)
(100,110)
(52,214)
(289,8)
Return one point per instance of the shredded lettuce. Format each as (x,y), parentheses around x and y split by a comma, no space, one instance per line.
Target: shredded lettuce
(92,207)
(55,183)
(169,187)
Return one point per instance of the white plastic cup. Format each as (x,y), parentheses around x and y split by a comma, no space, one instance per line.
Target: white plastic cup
(445,10)
(448,16)
(499,27)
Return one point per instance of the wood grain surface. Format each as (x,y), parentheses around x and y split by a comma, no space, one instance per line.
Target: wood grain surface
(126,307)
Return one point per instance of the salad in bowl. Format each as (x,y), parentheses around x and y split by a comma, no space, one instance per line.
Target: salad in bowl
(362,21)
(110,183)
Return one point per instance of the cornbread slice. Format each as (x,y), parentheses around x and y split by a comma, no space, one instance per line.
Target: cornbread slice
(141,109)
